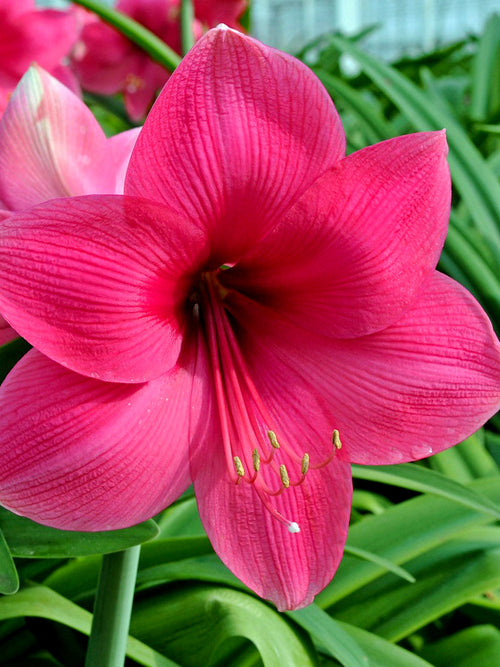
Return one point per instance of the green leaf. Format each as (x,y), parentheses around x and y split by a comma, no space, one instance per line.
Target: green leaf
(378,560)
(472,175)
(485,89)
(28,539)
(467,460)
(194,623)
(380,652)
(42,602)
(376,128)
(418,478)
(9,579)
(472,647)
(447,577)
(403,532)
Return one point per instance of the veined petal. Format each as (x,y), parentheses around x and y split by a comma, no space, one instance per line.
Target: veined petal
(420,386)
(287,568)
(81,454)
(238,133)
(56,145)
(99,283)
(350,257)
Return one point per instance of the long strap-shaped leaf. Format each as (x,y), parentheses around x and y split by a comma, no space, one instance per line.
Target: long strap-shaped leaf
(42,602)
(471,173)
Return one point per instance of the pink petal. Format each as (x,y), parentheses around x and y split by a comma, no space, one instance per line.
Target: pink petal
(349,258)
(213,12)
(141,86)
(287,568)
(103,58)
(57,146)
(45,36)
(420,386)
(116,157)
(81,454)
(237,135)
(99,284)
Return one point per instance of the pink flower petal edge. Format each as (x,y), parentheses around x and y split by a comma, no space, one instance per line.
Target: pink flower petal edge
(98,457)
(57,146)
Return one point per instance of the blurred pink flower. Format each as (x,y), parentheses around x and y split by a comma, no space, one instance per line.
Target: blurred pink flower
(52,146)
(27,35)
(107,62)
(257,313)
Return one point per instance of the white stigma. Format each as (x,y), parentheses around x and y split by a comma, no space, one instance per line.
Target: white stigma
(293,527)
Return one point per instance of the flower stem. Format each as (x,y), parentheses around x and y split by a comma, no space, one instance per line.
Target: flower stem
(187,18)
(137,33)
(112,609)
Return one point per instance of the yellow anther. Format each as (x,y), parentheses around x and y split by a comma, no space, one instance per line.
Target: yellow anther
(305,463)
(273,439)
(256,460)
(336,440)
(239,466)
(284,476)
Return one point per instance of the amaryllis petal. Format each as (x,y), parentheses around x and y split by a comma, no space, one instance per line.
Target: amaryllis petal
(57,146)
(28,35)
(349,258)
(238,133)
(115,159)
(418,387)
(213,12)
(99,283)
(288,568)
(94,455)
(423,384)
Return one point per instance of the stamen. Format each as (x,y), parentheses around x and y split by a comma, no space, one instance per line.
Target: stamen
(239,466)
(336,440)
(293,527)
(305,463)
(273,439)
(285,480)
(256,460)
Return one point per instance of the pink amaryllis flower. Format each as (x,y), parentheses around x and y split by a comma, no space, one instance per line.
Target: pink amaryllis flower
(257,312)
(29,34)
(107,62)
(52,146)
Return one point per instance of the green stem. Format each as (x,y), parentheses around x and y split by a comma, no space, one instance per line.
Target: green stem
(137,33)
(113,606)
(187,18)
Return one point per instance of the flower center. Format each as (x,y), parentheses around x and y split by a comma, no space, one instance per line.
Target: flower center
(253,451)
